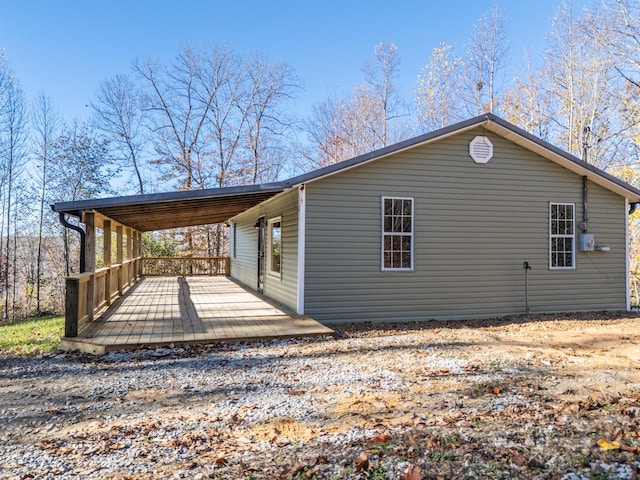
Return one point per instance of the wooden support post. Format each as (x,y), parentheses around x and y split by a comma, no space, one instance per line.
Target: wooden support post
(90,258)
(129,243)
(106,229)
(72,307)
(119,253)
(90,242)
(129,254)
(140,254)
(137,240)
(119,256)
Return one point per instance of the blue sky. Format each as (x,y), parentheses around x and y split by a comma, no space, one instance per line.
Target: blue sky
(66,48)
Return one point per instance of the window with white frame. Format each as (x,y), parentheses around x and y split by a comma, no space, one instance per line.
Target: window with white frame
(562,227)
(397,233)
(275,246)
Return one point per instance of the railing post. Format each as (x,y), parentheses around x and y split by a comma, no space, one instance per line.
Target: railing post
(72,307)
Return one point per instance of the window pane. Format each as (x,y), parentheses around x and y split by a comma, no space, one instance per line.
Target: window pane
(397,229)
(406,260)
(276,245)
(388,203)
(397,224)
(567,245)
(568,259)
(561,236)
(397,207)
(406,244)
(406,207)
(568,212)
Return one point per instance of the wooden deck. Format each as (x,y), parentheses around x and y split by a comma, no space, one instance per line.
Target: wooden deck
(161,311)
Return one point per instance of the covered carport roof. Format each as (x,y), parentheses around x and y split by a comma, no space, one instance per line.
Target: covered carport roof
(160,211)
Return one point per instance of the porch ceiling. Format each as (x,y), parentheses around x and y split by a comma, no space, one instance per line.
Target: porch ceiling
(177,209)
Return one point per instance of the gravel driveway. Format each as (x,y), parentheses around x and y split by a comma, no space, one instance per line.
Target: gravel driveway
(511,398)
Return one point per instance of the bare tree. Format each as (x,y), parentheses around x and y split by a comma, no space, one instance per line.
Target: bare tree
(120,116)
(344,126)
(80,168)
(179,113)
(438,89)
(341,128)
(270,86)
(379,76)
(620,35)
(616,31)
(46,123)
(528,104)
(12,154)
(578,76)
(486,58)
(216,117)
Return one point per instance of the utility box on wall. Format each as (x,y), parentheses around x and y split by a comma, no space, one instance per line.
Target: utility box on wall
(587,242)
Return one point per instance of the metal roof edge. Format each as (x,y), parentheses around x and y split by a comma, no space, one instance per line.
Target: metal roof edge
(562,157)
(545,149)
(386,151)
(166,197)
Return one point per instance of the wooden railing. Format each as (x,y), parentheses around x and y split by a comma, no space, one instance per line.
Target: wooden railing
(168,266)
(90,293)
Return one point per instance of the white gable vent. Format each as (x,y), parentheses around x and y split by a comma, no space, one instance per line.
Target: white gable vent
(481,149)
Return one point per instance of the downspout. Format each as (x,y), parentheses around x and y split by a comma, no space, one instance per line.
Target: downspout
(585,204)
(78,229)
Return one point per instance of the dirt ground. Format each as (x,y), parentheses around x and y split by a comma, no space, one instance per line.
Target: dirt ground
(523,397)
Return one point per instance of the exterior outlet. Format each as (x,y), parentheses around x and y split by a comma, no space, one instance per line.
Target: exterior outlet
(587,242)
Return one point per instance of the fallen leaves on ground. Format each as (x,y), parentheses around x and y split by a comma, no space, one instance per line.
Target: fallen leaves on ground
(504,398)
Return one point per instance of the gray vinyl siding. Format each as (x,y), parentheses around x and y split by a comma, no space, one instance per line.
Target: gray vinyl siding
(244,267)
(474,226)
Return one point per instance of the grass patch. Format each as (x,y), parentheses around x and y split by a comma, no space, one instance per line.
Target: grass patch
(33,336)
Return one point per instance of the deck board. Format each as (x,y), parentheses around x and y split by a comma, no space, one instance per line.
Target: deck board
(178,310)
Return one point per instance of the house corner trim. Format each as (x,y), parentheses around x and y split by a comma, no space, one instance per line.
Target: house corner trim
(301,248)
(627,269)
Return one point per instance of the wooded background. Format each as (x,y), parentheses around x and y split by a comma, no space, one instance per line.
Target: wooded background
(214,118)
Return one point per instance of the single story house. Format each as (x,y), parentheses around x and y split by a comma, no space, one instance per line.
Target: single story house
(478,219)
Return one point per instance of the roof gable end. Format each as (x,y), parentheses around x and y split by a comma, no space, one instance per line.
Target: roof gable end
(499,127)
